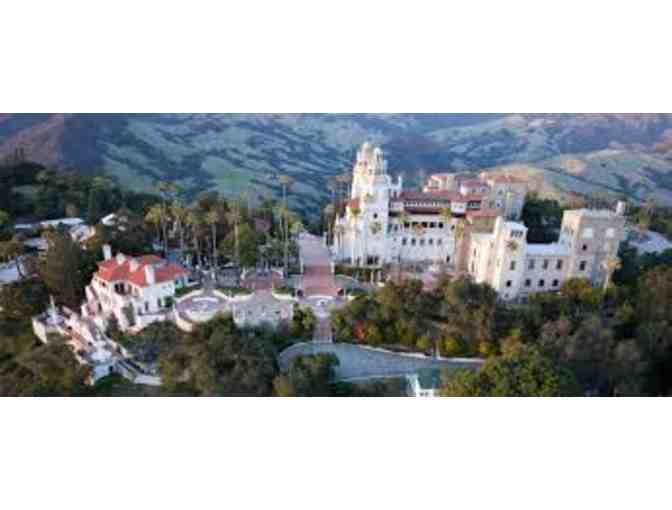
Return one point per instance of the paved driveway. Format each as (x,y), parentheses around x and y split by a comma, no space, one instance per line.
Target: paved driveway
(357,362)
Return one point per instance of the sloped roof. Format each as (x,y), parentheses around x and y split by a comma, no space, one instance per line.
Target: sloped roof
(119,270)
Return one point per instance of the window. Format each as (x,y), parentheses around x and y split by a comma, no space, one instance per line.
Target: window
(513,265)
(412,242)
(584,247)
(530,264)
(545,264)
(404,241)
(432,224)
(439,242)
(582,265)
(541,283)
(375,216)
(508,283)
(430,241)
(528,283)
(422,242)
(555,283)
(440,225)
(558,265)
(448,258)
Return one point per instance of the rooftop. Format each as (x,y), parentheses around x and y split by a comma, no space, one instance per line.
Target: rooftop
(130,269)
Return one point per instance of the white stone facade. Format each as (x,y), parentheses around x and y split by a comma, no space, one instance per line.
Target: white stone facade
(516,269)
(383,223)
(135,290)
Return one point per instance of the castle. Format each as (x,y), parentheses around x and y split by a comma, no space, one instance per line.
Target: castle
(468,225)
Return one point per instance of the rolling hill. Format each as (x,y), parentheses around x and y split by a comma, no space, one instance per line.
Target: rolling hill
(619,153)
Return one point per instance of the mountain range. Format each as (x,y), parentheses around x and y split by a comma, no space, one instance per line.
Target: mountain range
(629,154)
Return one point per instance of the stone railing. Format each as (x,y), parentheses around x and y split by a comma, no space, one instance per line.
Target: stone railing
(283,296)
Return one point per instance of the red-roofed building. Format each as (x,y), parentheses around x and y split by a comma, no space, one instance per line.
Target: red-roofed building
(135,290)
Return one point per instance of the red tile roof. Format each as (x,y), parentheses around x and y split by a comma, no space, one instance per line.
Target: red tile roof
(113,271)
(453,196)
(484,213)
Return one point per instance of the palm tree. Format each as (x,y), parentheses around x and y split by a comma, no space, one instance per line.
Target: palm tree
(155,217)
(212,218)
(233,217)
(376,228)
(418,230)
(446,215)
(329,213)
(610,265)
(460,235)
(195,221)
(344,180)
(404,219)
(286,182)
(179,214)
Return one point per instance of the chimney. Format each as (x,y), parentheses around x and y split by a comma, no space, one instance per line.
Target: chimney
(150,275)
(107,252)
(134,265)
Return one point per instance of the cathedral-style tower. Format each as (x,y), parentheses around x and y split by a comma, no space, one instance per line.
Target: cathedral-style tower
(365,224)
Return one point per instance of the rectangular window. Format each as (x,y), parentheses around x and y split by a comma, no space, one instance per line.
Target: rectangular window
(513,265)
(555,283)
(541,283)
(528,283)
(558,265)
(432,225)
(545,264)
(412,242)
(582,265)
(430,241)
(439,241)
(584,247)
(422,242)
(530,264)
(508,283)
(404,241)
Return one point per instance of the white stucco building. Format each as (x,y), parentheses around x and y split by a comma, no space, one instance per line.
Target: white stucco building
(516,268)
(135,290)
(469,225)
(383,223)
